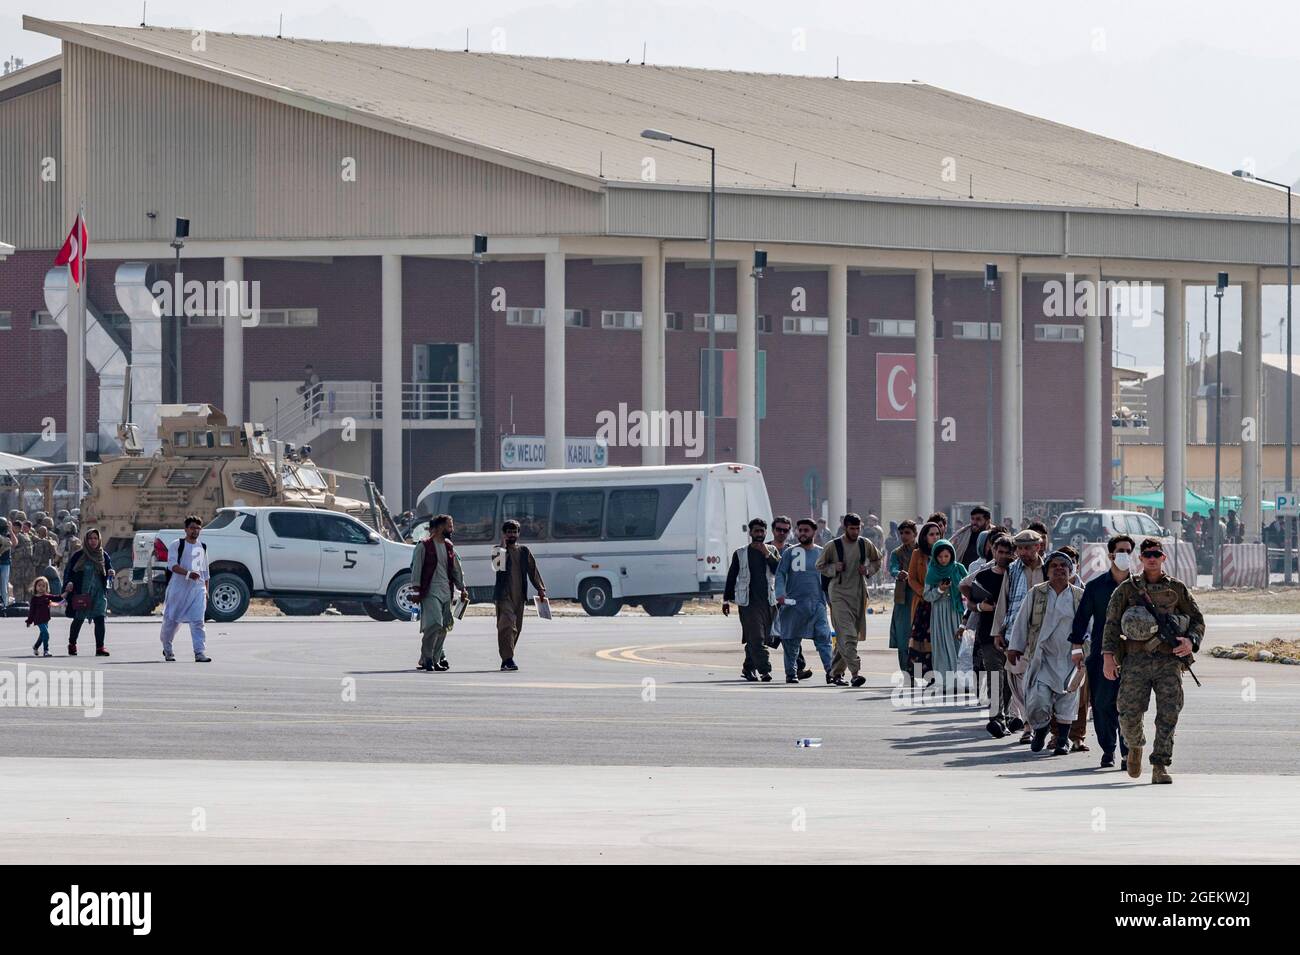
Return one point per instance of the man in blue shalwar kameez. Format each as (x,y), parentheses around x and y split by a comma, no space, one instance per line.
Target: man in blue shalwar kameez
(801,602)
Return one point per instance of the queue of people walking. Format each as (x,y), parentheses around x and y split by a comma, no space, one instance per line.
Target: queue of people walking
(992,609)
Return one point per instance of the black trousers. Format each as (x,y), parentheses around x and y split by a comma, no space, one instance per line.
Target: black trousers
(76,630)
(755,628)
(1105,713)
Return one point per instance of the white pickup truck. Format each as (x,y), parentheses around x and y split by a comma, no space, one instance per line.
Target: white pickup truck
(289,552)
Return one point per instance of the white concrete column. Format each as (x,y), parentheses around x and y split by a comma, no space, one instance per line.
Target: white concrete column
(232,341)
(1175,423)
(554,360)
(390,364)
(924,398)
(1011,469)
(652,348)
(746,365)
(1252,377)
(837,393)
(1094,411)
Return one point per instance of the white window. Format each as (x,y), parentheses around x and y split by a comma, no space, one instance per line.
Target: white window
(1058,333)
(43,319)
(206,320)
(976,330)
(673,321)
(805,325)
(721,323)
(576,318)
(6,321)
(620,319)
(525,316)
(891,328)
(287,318)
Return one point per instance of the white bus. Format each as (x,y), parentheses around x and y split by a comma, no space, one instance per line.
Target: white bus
(648,536)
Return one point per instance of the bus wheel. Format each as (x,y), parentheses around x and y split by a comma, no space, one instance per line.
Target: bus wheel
(661,606)
(597,599)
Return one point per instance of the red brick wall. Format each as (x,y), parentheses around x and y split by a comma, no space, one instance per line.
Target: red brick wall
(604,366)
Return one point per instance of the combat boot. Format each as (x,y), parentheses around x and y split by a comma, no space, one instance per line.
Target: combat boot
(1135,761)
(1160,774)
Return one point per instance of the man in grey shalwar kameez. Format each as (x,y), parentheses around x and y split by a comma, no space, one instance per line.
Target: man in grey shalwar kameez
(849,561)
(435,569)
(1041,633)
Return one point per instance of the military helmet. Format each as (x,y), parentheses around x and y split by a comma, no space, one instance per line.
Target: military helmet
(70,527)
(38,517)
(62,515)
(19,516)
(47,522)
(1137,624)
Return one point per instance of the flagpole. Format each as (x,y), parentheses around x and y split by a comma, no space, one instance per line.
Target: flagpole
(81,378)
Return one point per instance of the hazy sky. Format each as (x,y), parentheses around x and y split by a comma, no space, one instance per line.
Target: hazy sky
(1211,83)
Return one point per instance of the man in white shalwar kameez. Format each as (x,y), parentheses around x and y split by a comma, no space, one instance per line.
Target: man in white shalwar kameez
(186,599)
(1041,633)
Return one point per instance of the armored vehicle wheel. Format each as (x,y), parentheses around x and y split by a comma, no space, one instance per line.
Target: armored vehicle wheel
(299,606)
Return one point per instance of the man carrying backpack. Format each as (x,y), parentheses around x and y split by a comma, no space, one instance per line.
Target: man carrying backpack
(186,598)
(846,563)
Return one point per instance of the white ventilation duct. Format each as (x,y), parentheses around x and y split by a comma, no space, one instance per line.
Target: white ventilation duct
(102,352)
(133,282)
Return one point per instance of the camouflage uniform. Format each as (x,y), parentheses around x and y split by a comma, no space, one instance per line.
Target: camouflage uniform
(44,553)
(24,569)
(1150,665)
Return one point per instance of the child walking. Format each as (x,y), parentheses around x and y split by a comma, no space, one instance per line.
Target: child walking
(39,613)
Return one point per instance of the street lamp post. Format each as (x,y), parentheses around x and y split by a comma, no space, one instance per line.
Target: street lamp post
(990,283)
(480,249)
(178,296)
(1218,429)
(710,385)
(1288,522)
(759,270)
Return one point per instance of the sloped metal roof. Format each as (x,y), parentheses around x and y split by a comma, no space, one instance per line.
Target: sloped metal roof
(581,120)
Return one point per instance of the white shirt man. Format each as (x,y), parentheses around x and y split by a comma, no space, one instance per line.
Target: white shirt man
(186,599)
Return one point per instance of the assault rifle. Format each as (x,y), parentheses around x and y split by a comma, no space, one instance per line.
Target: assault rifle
(1167,630)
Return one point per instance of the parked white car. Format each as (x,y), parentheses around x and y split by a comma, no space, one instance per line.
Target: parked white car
(289,552)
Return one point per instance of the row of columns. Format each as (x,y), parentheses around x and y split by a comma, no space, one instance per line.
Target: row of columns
(653,394)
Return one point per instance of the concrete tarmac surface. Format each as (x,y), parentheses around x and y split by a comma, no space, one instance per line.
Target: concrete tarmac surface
(625,739)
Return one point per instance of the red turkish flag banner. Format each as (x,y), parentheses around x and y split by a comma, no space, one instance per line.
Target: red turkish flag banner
(896,386)
(73,253)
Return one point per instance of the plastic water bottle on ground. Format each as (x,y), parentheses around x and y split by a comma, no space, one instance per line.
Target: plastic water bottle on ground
(808,742)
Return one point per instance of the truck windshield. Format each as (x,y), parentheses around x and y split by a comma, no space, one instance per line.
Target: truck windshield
(308,478)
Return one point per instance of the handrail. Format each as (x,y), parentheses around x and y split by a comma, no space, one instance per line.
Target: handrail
(420,401)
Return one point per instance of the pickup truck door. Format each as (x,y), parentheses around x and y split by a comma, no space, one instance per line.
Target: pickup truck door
(291,551)
(351,563)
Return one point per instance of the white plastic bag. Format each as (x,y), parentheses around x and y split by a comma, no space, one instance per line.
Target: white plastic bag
(966,656)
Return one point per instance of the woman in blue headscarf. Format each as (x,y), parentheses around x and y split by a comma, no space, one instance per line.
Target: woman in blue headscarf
(943,577)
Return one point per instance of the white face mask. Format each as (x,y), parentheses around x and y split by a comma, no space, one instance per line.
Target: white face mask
(1123,561)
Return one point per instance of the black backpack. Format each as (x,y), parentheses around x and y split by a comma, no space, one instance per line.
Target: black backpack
(839,559)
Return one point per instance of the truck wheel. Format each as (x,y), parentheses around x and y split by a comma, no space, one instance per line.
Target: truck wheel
(130,598)
(400,599)
(299,606)
(378,612)
(597,599)
(661,606)
(228,597)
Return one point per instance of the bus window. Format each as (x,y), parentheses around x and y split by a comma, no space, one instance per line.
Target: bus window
(578,514)
(532,510)
(475,516)
(632,513)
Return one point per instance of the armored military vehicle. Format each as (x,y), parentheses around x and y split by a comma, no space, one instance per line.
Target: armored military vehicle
(205,463)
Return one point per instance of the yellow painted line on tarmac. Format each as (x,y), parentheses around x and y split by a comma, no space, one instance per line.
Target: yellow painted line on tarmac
(632,654)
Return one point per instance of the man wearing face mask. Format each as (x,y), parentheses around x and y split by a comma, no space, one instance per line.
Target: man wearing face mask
(1091,619)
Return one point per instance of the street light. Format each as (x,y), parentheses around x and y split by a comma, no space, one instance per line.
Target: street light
(1288,522)
(1218,428)
(759,270)
(990,284)
(178,296)
(480,249)
(710,387)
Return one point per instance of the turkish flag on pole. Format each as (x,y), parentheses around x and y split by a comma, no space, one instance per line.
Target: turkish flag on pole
(73,253)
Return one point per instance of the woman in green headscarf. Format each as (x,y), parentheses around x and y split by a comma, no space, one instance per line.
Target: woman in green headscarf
(89,575)
(942,579)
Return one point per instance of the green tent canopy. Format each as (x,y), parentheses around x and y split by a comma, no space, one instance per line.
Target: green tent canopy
(1193,503)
